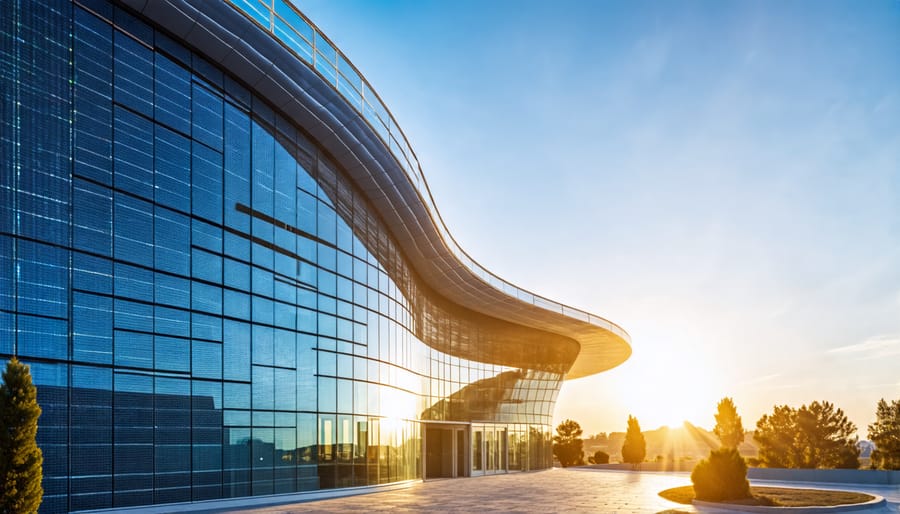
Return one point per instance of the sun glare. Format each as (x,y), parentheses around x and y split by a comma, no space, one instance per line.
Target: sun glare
(671,391)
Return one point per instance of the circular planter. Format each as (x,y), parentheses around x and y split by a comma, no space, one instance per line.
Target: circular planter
(875,504)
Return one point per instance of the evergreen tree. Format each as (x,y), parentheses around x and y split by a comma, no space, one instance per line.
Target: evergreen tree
(815,436)
(729,428)
(20,458)
(826,438)
(775,437)
(885,433)
(634,449)
(567,444)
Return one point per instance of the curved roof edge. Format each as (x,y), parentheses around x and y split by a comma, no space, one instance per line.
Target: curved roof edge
(238,42)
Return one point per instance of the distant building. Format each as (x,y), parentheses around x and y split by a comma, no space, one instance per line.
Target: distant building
(222,262)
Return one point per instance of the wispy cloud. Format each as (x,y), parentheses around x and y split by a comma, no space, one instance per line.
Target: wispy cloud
(761,379)
(781,387)
(865,387)
(876,346)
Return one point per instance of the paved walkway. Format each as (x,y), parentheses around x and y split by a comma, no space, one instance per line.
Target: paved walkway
(556,490)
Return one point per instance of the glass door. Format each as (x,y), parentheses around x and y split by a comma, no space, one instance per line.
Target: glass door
(461,467)
(477,453)
(491,453)
(489,449)
(502,450)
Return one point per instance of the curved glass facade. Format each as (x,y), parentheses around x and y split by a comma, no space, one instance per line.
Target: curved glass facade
(210,306)
(281,20)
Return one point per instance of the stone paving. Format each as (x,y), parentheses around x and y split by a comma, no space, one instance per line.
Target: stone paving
(556,490)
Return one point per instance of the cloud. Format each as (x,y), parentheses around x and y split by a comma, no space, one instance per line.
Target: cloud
(888,385)
(761,379)
(781,387)
(876,346)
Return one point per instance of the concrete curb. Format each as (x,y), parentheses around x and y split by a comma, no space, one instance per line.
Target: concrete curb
(870,506)
(841,476)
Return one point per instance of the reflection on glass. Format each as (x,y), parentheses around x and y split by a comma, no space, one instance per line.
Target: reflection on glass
(347,81)
(232,313)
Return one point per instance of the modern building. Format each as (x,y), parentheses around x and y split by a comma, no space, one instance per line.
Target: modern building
(221,260)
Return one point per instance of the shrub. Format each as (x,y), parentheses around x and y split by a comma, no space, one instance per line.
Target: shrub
(722,476)
(599,457)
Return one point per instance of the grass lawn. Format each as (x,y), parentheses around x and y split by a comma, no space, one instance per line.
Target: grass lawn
(778,497)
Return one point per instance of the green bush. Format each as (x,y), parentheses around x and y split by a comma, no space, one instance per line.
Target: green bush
(722,476)
(599,457)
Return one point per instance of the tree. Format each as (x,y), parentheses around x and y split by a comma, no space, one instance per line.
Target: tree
(722,476)
(599,457)
(634,449)
(815,436)
(885,433)
(826,438)
(567,444)
(775,438)
(20,458)
(729,428)
(600,437)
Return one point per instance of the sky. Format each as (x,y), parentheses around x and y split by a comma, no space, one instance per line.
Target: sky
(721,179)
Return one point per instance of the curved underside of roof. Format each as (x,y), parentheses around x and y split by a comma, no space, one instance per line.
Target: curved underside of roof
(236,44)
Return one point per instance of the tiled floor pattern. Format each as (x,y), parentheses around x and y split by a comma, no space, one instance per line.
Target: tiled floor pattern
(557,490)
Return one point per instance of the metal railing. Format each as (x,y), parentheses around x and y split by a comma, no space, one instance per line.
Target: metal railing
(301,37)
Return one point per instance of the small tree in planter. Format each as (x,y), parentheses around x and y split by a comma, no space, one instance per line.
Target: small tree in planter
(722,476)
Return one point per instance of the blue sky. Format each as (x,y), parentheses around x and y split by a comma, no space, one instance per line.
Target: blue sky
(722,179)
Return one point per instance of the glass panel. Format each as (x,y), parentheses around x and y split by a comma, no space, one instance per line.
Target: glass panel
(42,283)
(255,10)
(173,169)
(293,19)
(236,350)
(477,442)
(42,337)
(172,354)
(206,178)
(206,117)
(263,387)
(92,217)
(324,48)
(293,40)
(133,74)
(92,328)
(133,230)
(172,105)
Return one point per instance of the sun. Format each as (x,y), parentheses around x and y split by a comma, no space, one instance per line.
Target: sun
(669,389)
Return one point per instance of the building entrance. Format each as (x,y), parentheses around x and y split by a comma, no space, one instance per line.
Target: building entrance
(489,449)
(446,450)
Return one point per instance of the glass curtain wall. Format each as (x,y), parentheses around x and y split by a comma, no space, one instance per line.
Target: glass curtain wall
(211,309)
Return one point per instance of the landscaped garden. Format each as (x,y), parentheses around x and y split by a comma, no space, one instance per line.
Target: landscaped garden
(778,497)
